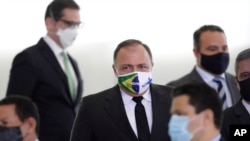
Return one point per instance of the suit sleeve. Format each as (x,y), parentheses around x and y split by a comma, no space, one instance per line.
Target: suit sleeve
(22,80)
(82,129)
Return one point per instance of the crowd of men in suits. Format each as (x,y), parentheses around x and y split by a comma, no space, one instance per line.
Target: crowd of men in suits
(199,106)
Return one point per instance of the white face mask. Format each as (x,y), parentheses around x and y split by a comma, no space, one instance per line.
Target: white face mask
(67,36)
(135,82)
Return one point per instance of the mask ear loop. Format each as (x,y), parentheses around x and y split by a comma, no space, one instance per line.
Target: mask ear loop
(197,129)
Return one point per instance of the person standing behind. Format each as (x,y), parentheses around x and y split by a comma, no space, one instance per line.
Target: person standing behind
(239,114)
(48,75)
(196,113)
(19,119)
(212,57)
(132,110)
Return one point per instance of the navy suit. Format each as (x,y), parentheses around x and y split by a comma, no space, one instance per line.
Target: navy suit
(102,117)
(36,73)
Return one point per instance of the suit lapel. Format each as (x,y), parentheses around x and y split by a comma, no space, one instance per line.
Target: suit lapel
(79,80)
(232,86)
(115,108)
(49,55)
(160,113)
(242,114)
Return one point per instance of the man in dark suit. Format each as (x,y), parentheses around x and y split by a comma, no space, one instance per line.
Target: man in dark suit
(49,75)
(111,115)
(196,113)
(239,114)
(211,52)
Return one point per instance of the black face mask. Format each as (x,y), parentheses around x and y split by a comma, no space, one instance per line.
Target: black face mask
(216,64)
(10,134)
(245,89)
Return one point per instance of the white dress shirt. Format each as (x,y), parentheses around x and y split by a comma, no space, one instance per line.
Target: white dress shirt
(217,138)
(129,105)
(208,78)
(246,105)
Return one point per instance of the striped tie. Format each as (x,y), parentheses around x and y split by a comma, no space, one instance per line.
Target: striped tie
(69,75)
(221,92)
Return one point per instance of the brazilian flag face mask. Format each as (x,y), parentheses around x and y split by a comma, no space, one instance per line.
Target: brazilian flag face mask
(135,82)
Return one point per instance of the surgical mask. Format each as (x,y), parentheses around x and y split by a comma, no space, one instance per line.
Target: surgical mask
(10,134)
(135,82)
(67,36)
(178,128)
(216,64)
(245,89)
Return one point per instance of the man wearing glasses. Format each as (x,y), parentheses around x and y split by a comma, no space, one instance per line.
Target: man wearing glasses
(48,75)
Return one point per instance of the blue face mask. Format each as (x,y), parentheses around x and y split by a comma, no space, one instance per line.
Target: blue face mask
(10,134)
(178,128)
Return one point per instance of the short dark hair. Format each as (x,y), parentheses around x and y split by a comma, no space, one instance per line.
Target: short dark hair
(243,55)
(24,108)
(131,42)
(204,28)
(202,97)
(56,7)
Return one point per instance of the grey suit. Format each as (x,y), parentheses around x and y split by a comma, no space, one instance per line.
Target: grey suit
(194,76)
(102,117)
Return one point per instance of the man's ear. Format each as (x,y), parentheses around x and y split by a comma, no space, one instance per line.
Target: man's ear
(31,124)
(114,69)
(208,117)
(50,23)
(196,52)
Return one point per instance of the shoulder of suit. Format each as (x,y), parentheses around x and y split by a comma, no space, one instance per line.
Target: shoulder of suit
(181,80)
(104,92)
(229,75)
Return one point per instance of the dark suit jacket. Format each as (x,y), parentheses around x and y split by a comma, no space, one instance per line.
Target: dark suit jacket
(102,117)
(234,115)
(37,74)
(194,76)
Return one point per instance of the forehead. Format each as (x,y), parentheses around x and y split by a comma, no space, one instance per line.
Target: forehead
(213,37)
(180,105)
(8,112)
(71,14)
(244,66)
(133,53)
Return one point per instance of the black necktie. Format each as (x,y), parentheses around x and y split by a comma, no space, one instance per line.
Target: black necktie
(141,120)
(221,92)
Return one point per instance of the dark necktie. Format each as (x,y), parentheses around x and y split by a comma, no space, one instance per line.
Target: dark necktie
(141,120)
(221,92)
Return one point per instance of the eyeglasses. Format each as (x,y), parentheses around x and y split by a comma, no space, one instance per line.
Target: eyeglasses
(72,24)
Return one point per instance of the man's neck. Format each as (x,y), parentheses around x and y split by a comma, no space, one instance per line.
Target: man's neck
(30,137)
(207,135)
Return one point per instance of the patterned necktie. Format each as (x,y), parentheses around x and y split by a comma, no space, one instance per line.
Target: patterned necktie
(141,120)
(221,92)
(69,75)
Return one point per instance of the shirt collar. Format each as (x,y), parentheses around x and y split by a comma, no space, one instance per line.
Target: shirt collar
(207,77)
(217,138)
(127,99)
(53,45)
(246,105)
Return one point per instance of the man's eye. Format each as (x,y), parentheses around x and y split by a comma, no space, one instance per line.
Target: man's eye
(126,68)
